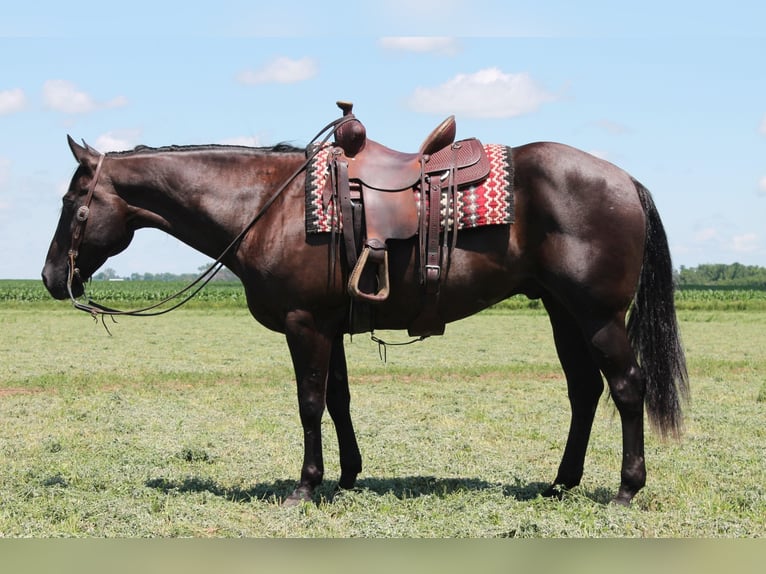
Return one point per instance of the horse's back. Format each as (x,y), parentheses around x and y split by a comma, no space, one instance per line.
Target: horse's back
(573,172)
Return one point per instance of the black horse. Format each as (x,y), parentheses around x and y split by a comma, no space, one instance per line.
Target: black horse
(587,240)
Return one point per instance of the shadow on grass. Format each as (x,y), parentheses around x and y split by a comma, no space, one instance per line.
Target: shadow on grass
(401,487)
(277,490)
(415,486)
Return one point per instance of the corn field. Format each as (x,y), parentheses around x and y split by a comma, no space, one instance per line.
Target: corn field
(231,294)
(218,293)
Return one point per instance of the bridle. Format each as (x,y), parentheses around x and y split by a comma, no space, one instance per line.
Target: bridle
(83,213)
(81,218)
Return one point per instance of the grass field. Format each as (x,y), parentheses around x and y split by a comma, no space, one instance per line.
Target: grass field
(187,425)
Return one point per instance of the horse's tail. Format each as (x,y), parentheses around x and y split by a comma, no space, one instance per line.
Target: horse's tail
(653,328)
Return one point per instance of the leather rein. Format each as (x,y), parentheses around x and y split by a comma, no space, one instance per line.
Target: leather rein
(83,213)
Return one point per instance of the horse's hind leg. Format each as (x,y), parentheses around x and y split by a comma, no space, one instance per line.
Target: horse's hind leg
(338,405)
(587,344)
(584,386)
(627,387)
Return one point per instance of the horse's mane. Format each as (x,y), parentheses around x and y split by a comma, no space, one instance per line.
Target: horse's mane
(282,147)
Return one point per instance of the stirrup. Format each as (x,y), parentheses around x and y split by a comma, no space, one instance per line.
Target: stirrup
(383,286)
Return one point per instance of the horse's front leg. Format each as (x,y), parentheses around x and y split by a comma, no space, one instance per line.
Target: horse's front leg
(339,403)
(310,349)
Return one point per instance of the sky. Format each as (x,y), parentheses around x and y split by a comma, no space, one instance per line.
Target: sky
(672,92)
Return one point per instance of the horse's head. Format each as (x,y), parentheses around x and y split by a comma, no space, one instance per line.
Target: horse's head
(92,227)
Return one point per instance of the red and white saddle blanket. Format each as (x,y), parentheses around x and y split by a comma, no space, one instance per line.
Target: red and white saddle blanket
(487,203)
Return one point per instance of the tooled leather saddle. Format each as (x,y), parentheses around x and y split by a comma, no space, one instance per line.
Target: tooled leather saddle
(385,194)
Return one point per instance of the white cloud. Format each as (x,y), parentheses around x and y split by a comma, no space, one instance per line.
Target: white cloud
(118,140)
(64,96)
(745,243)
(422,44)
(488,93)
(247,141)
(762,186)
(12,101)
(706,234)
(281,71)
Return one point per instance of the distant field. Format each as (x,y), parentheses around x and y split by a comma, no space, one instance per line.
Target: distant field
(187,425)
(216,293)
(230,294)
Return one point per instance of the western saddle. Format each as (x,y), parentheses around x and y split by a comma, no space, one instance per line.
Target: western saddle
(376,187)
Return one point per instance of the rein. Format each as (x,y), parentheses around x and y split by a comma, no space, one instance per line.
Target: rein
(83,212)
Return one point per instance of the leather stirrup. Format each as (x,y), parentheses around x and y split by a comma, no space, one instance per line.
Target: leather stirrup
(383,283)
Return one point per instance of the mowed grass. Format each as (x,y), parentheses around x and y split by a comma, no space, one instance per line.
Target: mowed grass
(187,425)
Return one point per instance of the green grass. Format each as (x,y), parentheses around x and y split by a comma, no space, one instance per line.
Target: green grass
(25,292)
(187,425)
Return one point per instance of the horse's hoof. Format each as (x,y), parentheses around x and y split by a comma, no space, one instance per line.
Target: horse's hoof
(346,482)
(621,500)
(554,491)
(624,496)
(298,497)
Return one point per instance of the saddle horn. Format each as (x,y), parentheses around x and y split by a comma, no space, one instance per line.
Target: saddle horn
(352,135)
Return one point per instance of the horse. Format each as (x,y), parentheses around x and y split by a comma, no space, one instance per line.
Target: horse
(587,240)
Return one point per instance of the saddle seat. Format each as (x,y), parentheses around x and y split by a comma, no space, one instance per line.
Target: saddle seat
(383,168)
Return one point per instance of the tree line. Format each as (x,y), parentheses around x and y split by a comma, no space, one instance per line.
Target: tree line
(722,275)
(110,274)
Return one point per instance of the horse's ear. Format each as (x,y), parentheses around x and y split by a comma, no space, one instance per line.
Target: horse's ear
(92,150)
(84,155)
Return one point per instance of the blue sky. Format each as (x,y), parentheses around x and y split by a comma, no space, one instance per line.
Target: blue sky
(673,92)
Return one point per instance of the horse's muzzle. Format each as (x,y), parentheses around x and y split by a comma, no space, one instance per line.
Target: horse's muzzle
(56,284)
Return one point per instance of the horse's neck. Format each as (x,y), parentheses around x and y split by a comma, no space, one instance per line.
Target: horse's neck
(193,199)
